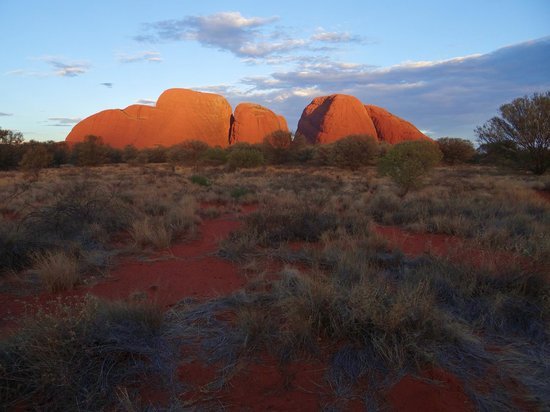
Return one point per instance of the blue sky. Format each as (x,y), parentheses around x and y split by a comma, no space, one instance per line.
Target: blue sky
(444,65)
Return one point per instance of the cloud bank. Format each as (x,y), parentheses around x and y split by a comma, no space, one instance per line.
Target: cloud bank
(449,97)
(248,38)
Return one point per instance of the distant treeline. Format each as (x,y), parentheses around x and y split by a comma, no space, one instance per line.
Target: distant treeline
(277,148)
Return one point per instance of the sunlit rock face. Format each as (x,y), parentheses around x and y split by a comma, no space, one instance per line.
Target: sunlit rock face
(179,115)
(252,122)
(329,118)
(393,129)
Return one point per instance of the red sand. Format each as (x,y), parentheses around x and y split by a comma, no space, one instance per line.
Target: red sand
(453,247)
(415,395)
(187,269)
(192,269)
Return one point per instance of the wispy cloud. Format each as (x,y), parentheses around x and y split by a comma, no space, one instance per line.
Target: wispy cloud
(2,114)
(450,96)
(63,121)
(336,37)
(66,68)
(149,102)
(60,67)
(249,38)
(107,84)
(145,56)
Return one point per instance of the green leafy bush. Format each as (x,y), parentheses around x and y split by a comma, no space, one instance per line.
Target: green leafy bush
(277,146)
(456,150)
(352,152)
(187,153)
(406,163)
(245,157)
(36,157)
(90,152)
(200,180)
(214,156)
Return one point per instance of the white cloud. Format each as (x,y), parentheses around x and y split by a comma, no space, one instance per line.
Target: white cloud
(63,121)
(446,98)
(61,67)
(146,56)
(149,102)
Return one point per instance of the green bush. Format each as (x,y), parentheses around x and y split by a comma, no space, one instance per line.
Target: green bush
(200,180)
(11,149)
(245,157)
(36,157)
(277,147)
(406,163)
(187,153)
(456,150)
(214,156)
(352,152)
(90,152)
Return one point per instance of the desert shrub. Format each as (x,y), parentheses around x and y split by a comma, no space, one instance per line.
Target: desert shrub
(352,152)
(214,156)
(524,124)
(129,153)
(90,152)
(36,157)
(240,191)
(11,149)
(322,154)
(456,150)
(79,213)
(151,232)
(157,154)
(277,146)
(200,180)
(187,153)
(57,270)
(78,355)
(245,158)
(407,162)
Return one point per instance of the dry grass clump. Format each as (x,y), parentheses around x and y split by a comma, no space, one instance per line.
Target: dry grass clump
(57,270)
(498,214)
(79,355)
(83,210)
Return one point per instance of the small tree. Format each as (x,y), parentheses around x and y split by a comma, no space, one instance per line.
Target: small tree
(11,149)
(526,123)
(406,163)
(245,157)
(276,146)
(456,150)
(36,157)
(187,153)
(354,151)
(90,152)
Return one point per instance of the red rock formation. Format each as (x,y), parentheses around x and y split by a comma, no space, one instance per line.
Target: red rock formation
(252,122)
(179,115)
(329,118)
(393,129)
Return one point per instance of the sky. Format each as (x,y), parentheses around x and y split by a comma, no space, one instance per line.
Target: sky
(446,66)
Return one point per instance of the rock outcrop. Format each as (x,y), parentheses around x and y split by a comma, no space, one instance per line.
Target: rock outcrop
(182,114)
(179,115)
(393,129)
(329,118)
(252,122)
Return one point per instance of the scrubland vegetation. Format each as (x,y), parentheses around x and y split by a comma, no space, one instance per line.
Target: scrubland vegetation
(323,283)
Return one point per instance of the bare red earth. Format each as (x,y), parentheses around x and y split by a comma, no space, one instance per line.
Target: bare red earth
(192,269)
(444,393)
(452,247)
